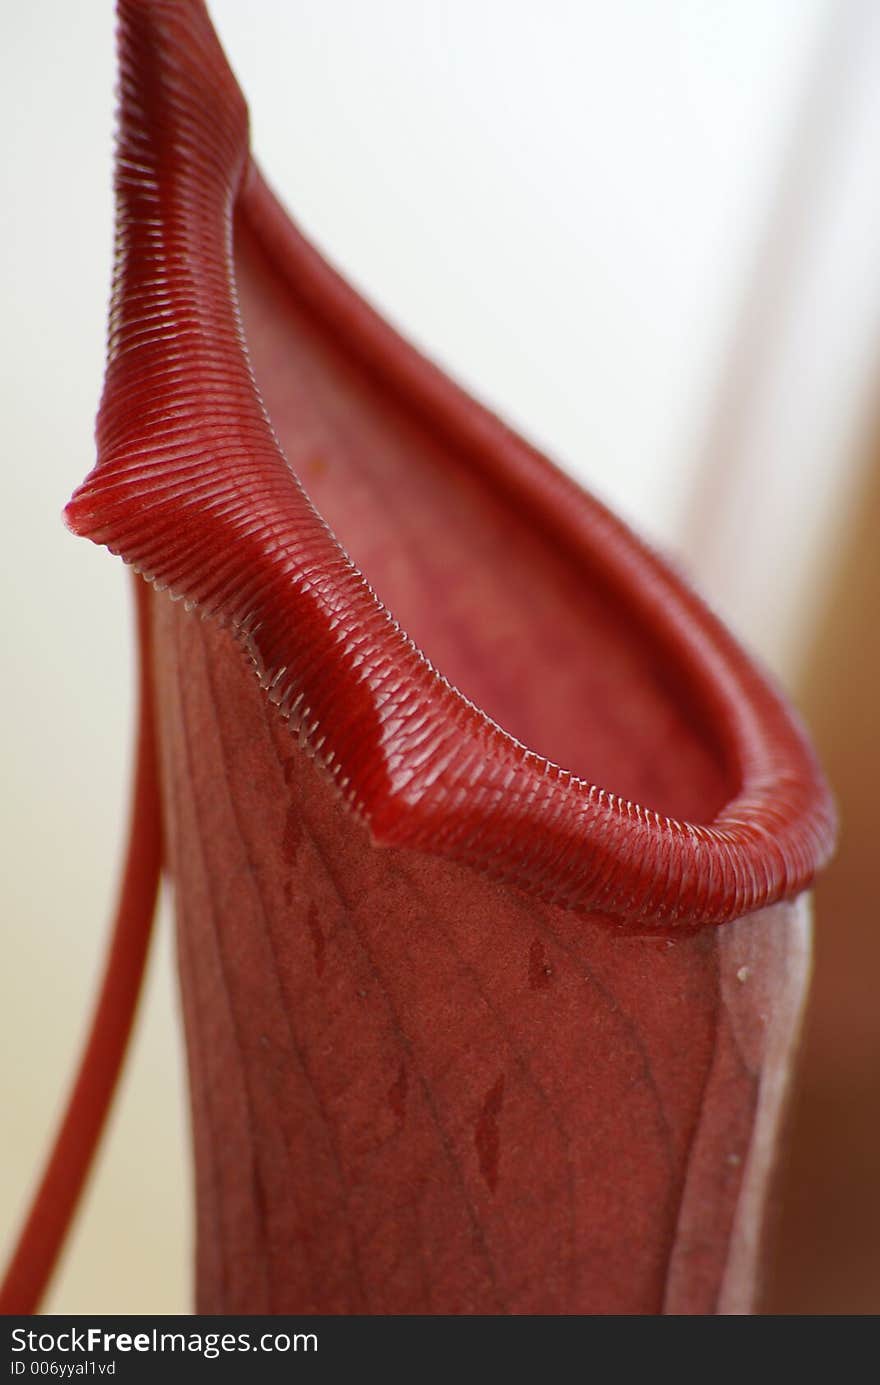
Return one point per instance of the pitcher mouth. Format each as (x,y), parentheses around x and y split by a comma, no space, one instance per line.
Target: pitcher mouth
(561,713)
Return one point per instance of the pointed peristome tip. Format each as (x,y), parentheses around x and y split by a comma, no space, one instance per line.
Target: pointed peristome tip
(192,489)
(72,515)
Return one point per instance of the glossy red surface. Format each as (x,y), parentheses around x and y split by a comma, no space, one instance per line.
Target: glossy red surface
(682,791)
(460,1039)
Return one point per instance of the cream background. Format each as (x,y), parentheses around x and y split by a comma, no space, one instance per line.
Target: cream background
(564,204)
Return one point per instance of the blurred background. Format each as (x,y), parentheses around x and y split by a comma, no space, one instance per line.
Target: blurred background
(646,232)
